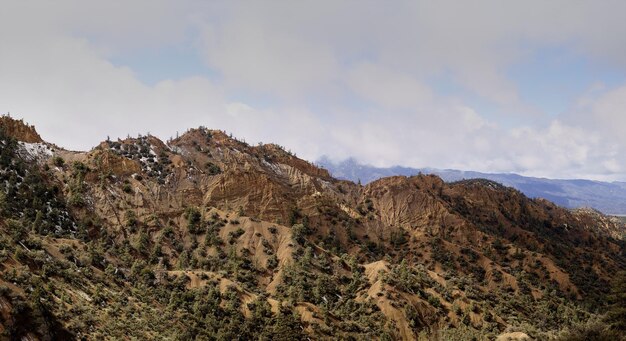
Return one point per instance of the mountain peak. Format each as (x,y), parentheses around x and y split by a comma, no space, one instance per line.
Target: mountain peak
(609,198)
(19,130)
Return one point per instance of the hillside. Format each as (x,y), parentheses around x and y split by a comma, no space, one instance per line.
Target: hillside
(207,238)
(607,197)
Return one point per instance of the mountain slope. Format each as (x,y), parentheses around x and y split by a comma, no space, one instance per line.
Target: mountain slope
(206,237)
(607,197)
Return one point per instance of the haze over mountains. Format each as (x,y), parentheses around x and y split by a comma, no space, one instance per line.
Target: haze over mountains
(607,197)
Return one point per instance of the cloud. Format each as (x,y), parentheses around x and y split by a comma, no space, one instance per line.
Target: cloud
(387,88)
(115,27)
(283,46)
(349,78)
(267,61)
(604,111)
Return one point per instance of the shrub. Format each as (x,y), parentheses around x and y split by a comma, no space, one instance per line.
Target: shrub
(233,235)
(131,220)
(194,220)
(58,161)
(272,262)
(76,200)
(590,331)
(212,168)
(616,314)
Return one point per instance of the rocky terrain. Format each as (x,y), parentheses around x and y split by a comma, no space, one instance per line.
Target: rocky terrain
(607,197)
(205,237)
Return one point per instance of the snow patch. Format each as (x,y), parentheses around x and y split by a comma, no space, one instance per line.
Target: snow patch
(275,168)
(175,149)
(36,151)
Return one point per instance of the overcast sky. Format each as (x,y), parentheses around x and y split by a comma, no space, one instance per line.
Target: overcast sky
(532,87)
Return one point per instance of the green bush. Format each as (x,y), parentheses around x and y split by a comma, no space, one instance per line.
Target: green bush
(58,161)
(212,168)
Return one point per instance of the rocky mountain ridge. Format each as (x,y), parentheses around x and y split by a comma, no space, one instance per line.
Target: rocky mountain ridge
(607,197)
(206,237)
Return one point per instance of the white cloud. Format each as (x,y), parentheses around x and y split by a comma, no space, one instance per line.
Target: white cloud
(606,112)
(387,88)
(258,53)
(342,78)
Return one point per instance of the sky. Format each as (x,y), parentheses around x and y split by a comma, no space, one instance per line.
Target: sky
(532,87)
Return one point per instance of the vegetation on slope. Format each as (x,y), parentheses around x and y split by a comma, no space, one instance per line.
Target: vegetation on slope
(208,238)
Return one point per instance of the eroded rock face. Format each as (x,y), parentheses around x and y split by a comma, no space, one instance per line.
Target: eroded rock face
(19,130)
(595,220)
(207,168)
(412,203)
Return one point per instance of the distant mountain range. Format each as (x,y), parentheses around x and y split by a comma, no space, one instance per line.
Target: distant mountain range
(606,197)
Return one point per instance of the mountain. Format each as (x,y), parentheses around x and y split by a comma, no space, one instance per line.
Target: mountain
(207,238)
(607,197)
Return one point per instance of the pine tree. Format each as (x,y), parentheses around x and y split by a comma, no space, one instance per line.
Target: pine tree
(286,326)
